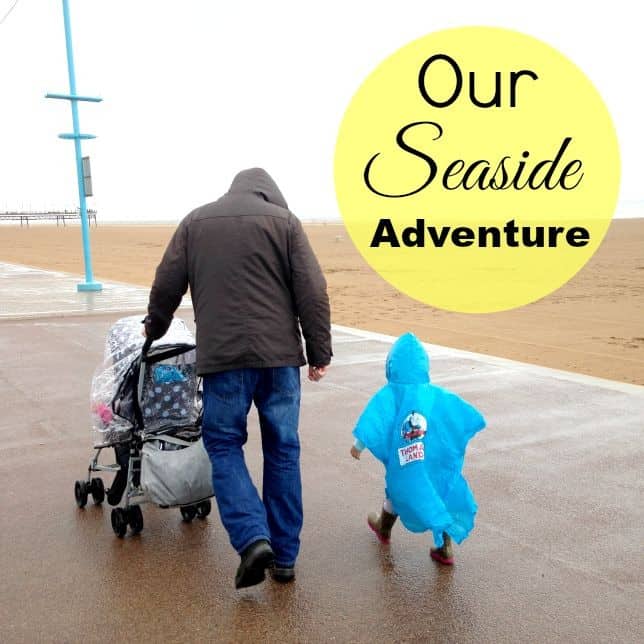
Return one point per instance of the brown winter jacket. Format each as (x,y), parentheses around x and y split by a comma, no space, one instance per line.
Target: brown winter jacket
(252,277)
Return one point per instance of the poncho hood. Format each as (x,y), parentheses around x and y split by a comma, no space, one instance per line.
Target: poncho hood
(407,362)
(259,182)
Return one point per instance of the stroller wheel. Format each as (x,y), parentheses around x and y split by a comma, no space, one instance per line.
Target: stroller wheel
(80,493)
(203,509)
(119,521)
(98,490)
(188,512)
(135,518)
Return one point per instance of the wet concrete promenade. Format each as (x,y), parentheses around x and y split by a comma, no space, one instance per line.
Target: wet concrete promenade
(556,555)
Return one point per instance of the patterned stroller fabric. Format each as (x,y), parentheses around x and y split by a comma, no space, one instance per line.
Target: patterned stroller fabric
(169,392)
(170,396)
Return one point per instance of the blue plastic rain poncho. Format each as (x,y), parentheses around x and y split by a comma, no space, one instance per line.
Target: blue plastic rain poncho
(420,432)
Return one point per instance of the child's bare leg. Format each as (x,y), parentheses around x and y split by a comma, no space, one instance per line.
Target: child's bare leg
(382,523)
(444,554)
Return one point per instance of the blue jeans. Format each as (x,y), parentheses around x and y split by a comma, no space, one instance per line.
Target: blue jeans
(227,397)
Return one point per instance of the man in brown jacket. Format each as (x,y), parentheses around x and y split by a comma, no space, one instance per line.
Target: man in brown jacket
(254,281)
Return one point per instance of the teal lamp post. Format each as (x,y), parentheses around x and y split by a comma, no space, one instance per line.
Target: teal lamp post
(76,136)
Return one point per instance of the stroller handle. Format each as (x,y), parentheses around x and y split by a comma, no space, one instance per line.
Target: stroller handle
(146,346)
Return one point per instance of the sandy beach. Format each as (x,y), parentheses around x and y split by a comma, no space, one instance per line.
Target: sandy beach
(593,325)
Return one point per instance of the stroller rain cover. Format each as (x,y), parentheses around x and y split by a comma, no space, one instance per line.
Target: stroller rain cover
(169,397)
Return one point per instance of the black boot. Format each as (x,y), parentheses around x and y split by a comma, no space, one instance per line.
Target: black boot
(283,574)
(254,561)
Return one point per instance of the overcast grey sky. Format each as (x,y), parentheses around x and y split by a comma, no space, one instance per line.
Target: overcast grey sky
(195,90)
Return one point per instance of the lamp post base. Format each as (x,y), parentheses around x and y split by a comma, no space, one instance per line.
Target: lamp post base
(89,286)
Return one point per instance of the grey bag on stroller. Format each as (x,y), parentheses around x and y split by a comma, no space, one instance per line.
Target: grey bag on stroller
(175,472)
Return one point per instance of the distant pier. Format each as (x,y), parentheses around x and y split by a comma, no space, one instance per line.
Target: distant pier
(42,215)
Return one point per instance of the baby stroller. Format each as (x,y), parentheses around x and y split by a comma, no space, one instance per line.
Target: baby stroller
(146,405)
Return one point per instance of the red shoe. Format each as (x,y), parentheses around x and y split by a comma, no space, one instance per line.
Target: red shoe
(445,554)
(381,524)
(437,555)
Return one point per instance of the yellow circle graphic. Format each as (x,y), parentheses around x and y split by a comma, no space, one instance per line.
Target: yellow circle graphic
(477,169)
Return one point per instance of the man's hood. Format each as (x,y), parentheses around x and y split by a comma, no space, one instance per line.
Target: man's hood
(407,362)
(258,181)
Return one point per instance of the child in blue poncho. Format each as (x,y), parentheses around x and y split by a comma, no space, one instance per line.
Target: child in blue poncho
(419,432)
